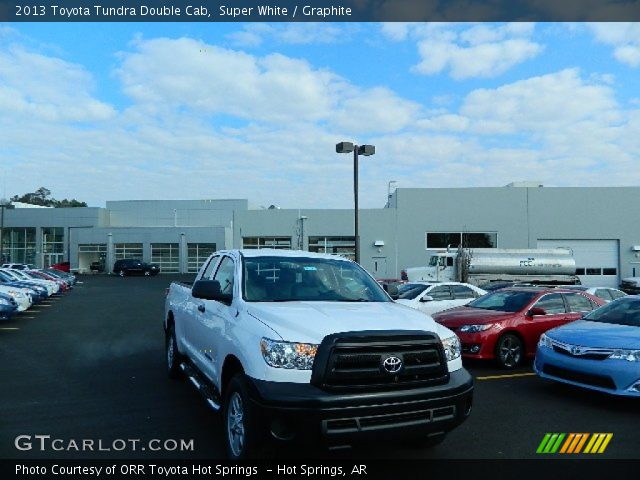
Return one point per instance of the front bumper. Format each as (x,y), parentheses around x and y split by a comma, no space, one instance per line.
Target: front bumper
(617,377)
(304,412)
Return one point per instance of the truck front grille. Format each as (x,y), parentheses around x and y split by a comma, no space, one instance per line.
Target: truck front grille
(356,363)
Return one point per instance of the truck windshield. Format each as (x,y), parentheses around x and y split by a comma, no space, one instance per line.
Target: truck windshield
(504,300)
(287,279)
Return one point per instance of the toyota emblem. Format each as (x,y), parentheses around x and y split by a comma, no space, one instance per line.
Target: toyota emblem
(392,364)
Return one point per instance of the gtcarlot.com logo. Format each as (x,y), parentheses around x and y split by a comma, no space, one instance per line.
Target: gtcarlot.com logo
(573,443)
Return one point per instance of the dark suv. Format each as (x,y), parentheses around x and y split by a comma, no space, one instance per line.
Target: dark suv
(132,266)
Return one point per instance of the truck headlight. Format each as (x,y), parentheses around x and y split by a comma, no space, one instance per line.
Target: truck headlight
(545,341)
(628,355)
(452,348)
(290,355)
(476,328)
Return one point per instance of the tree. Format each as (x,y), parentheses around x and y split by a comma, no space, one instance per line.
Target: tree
(42,197)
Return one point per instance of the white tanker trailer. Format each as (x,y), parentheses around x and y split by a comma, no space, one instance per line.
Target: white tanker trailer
(482,265)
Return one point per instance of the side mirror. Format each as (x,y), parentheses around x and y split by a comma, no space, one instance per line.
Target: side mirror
(535,311)
(210,290)
(427,298)
(392,290)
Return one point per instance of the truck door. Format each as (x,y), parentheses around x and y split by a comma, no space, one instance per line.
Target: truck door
(212,319)
(192,316)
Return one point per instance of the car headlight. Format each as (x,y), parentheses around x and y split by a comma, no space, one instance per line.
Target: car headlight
(290,355)
(628,355)
(4,301)
(545,341)
(452,348)
(476,328)
(16,294)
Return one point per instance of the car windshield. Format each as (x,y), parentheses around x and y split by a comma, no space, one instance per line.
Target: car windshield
(286,279)
(504,300)
(413,292)
(624,311)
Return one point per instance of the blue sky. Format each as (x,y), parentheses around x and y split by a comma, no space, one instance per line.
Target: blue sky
(189,110)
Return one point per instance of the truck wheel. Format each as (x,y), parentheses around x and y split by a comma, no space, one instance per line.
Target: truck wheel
(239,420)
(172,355)
(509,351)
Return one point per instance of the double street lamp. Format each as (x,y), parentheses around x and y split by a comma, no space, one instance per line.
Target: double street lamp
(366,150)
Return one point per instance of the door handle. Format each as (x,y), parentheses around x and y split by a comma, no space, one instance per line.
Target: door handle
(201,308)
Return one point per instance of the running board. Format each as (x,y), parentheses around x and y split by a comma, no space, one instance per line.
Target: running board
(207,391)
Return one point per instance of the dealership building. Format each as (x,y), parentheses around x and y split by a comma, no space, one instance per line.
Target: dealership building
(599,224)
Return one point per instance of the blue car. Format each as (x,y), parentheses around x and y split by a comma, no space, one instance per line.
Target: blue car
(8,306)
(600,352)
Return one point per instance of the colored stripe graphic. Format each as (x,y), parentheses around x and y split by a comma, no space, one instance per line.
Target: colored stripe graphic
(574,443)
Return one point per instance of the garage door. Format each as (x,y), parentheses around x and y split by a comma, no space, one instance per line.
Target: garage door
(596,260)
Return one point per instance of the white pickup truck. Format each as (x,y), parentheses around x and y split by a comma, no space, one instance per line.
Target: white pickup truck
(298,346)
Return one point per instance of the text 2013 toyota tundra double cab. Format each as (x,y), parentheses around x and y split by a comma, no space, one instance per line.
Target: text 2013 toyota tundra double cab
(299,346)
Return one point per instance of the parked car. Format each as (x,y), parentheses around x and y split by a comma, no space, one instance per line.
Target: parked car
(630,285)
(8,306)
(36,292)
(62,266)
(96,267)
(132,266)
(600,352)
(605,293)
(20,295)
(300,345)
(493,286)
(432,298)
(18,266)
(21,276)
(506,325)
(68,277)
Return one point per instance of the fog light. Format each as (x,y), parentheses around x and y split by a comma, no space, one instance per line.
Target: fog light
(474,349)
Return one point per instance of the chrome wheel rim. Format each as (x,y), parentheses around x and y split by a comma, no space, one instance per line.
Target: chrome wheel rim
(121,273)
(235,424)
(147,273)
(510,352)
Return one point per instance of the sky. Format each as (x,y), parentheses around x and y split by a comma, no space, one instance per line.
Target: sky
(119,111)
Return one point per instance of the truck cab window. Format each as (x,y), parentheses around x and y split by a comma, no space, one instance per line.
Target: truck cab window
(208,272)
(225,275)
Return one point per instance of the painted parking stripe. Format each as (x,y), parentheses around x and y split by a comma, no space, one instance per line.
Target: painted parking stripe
(513,375)
(9,328)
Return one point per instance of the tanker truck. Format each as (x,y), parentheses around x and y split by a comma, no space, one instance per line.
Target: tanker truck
(479,266)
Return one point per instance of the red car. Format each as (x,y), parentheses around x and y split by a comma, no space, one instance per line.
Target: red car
(506,325)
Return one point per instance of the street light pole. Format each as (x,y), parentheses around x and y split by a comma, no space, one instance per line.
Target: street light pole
(3,204)
(366,150)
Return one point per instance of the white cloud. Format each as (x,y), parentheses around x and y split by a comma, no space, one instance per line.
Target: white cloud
(479,51)
(255,34)
(624,37)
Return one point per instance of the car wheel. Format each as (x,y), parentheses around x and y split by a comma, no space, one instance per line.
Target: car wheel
(239,419)
(121,273)
(509,351)
(172,355)
(147,273)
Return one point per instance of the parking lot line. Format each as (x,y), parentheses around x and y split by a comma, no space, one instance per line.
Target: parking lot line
(28,318)
(511,375)
(9,328)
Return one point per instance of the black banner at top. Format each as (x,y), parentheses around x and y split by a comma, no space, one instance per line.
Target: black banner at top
(318,10)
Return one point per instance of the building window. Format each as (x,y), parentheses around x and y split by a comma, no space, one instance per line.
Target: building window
(128,250)
(467,239)
(283,243)
(19,245)
(53,240)
(345,246)
(198,254)
(167,256)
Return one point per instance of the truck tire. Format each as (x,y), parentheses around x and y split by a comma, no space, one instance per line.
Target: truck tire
(239,419)
(509,351)
(172,356)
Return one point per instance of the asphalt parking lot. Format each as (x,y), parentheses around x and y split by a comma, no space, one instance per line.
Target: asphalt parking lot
(90,365)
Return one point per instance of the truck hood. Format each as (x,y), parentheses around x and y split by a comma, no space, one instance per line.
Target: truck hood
(459,316)
(310,322)
(597,335)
